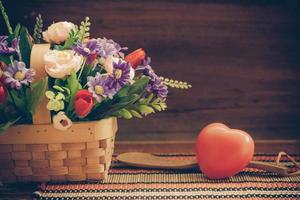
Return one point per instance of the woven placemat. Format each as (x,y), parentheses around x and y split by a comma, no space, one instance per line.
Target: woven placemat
(132,183)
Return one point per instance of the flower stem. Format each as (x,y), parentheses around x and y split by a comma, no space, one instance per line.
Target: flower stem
(5,17)
(11,58)
(81,70)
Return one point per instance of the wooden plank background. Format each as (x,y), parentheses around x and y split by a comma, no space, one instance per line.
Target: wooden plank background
(242,58)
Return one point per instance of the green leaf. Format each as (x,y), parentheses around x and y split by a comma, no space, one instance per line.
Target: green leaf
(25,46)
(84,29)
(5,17)
(50,94)
(125,114)
(5,59)
(136,114)
(38,91)
(74,86)
(72,40)
(149,99)
(58,88)
(139,86)
(60,96)
(17,30)
(146,109)
(4,126)
(123,92)
(18,100)
(157,107)
(110,107)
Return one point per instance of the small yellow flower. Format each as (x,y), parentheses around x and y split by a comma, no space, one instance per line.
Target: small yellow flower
(56,102)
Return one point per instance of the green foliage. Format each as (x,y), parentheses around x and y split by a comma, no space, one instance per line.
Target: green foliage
(25,46)
(6,125)
(84,29)
(136,114)
(136,88)
(5,17)
(125,98)
(124,113)
(36,94)
(175,83)
(5,59)
(38,29)
(143,107)
(72,40)
(73,86)
(18,99)
(17,30)
(148,105)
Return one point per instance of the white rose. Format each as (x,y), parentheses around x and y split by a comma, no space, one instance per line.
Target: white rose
(61,121)
(59,64)
(58,32)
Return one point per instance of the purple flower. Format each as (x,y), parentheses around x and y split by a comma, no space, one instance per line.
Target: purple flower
(5,49)
(88,49)
(158,89)
(17,75)
(155,85)
(110,48)
(99,87)
(120,75)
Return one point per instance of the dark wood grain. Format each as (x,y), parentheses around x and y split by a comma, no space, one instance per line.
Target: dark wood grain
(242,58)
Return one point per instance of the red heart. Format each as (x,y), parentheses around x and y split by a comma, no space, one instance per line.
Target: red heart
(223,152)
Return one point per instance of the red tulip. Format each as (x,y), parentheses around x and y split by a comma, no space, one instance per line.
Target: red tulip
(3,94)
(135,58)
(84,102)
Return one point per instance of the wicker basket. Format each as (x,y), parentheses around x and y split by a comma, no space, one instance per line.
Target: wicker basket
(39,152)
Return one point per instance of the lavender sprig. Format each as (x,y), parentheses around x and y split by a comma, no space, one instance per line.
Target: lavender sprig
(5,17)
(38,29)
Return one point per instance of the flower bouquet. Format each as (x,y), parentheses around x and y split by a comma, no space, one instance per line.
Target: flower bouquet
(71,83)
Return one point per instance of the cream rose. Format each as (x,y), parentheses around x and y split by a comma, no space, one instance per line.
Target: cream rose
(59,64)
(58,32)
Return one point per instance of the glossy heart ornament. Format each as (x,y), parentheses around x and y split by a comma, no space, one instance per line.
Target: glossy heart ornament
(223,152)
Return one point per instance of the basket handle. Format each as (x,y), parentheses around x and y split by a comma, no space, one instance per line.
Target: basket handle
(42,115)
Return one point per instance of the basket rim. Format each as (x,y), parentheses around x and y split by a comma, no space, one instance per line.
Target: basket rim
(46,134)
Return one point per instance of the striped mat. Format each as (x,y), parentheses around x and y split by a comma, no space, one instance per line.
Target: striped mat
(132,183)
